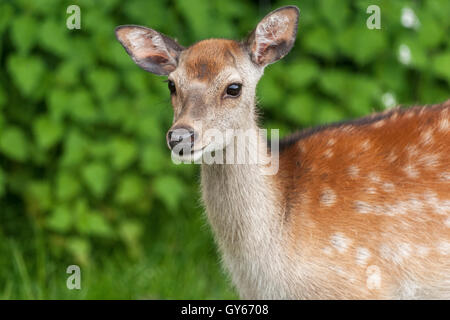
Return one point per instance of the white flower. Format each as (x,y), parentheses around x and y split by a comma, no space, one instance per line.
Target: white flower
(409,19)
(388,100)
(404,54)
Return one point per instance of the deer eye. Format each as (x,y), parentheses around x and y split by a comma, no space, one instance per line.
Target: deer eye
(171,86)
(234,90)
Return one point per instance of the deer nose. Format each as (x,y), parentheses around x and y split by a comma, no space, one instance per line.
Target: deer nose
(181,135)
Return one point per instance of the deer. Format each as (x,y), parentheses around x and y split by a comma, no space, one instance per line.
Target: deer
(358,209)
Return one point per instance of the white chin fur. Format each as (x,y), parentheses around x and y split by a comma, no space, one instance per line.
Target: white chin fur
(193,157)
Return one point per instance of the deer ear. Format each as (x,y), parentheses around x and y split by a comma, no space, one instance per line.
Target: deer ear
(151,50)
(274,36)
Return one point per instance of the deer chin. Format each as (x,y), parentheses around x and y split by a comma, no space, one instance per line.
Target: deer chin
(193,156)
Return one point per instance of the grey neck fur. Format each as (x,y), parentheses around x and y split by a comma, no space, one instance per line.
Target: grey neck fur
(241,205)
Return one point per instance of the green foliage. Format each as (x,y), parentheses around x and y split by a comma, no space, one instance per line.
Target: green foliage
(85,175)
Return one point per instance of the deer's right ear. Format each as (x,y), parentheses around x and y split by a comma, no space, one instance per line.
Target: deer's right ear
(151,50)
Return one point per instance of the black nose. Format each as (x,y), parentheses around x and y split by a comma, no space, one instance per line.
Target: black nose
(184,135)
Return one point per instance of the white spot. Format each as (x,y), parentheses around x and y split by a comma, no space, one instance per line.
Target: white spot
(397,255)
(409,114)
(427,136)
(444,124)
(409,18)
(371,190)
(422,251)
(404,250)
(445,176)
(444,247)
(379,124)
(388,100)
(404,54)
(328,153)
(338,270)
(388,187)
(447,222)
(374,177)
(327,250)
(331,142)
(328,197)
(412,150)
(362,207)
(365,146)
(408,289)
(373,274)
(362,255)
(429,160)
(353,171)
(411,171)
(340,242)
(441,207)
(391,157)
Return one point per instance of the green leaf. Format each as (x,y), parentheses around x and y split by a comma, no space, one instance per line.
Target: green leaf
(270,92)
(91,222)
(57,102)
(97,177)
(67,186)
(301,108)
(67,73)
(27,72)
(320,41)
(153,159)
(6,15)
(123,153)
(81,107)
(170,190)
(13,143)
(3,97)
(24,33)
(199,16)
(47,132)
(362,44)
(75,148)
(131,189)
(104,82)
(335,12)
(441,65)
(60,219)
(2,183)
(130,231)
(79,248)
(302,73)
(53,36)
(39,195)
(329,112)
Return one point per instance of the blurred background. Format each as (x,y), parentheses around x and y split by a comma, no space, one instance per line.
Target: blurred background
(85,175)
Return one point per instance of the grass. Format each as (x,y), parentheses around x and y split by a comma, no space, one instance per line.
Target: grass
(178,261)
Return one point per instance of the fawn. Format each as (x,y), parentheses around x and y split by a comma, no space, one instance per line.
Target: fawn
(356,210)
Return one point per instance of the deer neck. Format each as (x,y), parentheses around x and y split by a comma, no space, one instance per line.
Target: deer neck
(242,207)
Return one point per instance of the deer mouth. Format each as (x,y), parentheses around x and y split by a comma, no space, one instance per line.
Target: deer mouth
(193,155)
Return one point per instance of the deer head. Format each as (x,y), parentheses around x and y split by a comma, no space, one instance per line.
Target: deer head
(212,83)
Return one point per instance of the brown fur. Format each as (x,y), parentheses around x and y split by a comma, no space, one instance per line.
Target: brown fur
(206,59)
(395,142)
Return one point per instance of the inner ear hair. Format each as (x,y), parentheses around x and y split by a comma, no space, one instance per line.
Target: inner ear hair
(150,49)
(274,36)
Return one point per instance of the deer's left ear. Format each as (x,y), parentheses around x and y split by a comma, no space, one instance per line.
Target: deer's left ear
(274,36)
